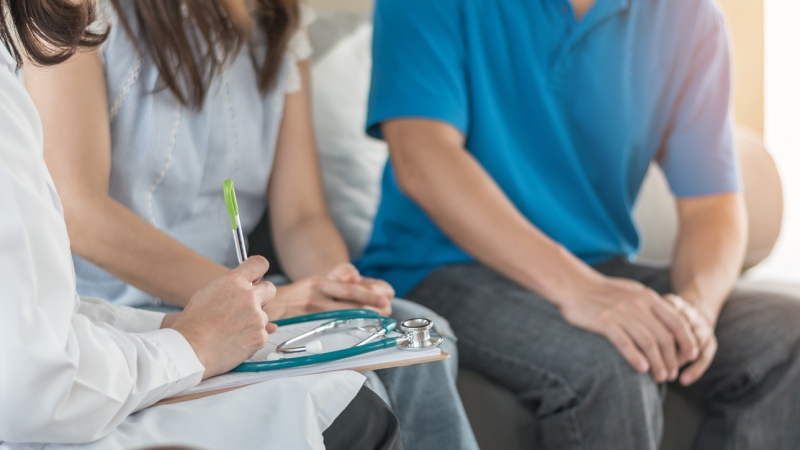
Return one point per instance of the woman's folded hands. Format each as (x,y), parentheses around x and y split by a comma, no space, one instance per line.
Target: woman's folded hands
(342,288)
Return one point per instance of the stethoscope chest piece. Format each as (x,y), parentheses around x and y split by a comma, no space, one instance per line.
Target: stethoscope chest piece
(418,335)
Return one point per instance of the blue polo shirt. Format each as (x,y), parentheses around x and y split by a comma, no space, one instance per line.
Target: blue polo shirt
(564,115)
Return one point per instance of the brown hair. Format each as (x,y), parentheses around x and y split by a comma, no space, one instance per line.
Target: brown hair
(189,41)
(48,31)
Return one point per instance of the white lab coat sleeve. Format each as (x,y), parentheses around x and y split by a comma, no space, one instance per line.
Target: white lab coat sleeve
(63,377)
(130,320)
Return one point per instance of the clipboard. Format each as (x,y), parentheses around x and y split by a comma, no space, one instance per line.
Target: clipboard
(366,368)
(379,359)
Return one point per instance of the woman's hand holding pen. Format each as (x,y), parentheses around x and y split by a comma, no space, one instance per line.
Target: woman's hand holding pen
(342,288)
(225,322)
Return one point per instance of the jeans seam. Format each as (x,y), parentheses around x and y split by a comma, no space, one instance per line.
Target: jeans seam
(575,430)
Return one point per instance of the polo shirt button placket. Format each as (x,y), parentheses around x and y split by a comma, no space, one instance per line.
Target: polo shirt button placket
(560,75)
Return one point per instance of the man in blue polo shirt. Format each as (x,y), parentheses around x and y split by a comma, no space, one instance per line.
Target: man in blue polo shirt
(520,132)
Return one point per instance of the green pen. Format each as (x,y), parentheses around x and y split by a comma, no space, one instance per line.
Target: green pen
(236,224)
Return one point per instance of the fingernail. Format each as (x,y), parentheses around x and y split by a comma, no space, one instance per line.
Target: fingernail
(662,376)
(643,367)
(673,375)
(686,380)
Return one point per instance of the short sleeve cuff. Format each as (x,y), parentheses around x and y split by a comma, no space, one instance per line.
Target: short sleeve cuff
(188,368)
(702,178)
(701,187)
(451,116)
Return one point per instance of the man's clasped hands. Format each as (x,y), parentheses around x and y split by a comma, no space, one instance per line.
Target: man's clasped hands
(665,335)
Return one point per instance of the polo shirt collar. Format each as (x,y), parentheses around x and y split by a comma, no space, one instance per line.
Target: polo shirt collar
(601,11)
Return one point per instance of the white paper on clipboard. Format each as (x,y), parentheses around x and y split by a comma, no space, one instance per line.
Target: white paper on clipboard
(330,342)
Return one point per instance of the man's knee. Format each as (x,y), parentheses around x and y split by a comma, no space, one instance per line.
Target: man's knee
(605,378)
(603,401)
(757,331)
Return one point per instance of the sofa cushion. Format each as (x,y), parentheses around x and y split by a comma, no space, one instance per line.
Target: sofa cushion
(352,162)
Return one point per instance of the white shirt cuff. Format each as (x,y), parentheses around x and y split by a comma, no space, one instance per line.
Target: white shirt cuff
(132,320)
(188,368)
(123,318)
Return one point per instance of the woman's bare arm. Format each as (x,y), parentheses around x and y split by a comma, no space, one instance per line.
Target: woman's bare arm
(71,99)
(306,239)
(310,247)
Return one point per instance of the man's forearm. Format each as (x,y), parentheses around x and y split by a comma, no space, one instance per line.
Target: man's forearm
(465,202)
(710,250)
(434,170)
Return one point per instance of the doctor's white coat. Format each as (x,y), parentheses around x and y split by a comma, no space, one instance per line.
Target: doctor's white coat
(73,370)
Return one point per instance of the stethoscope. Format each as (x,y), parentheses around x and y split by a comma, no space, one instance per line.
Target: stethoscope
(417,335)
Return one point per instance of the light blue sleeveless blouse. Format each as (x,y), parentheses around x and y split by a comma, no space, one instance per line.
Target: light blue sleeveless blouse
(168,161)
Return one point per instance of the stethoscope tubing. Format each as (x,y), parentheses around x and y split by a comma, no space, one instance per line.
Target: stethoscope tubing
(299,361)
(329,315)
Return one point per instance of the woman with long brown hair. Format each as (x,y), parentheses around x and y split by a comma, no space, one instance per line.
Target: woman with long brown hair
(72,370)
(184,95)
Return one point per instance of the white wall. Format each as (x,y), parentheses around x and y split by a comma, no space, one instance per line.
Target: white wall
(359,6)
(782,131)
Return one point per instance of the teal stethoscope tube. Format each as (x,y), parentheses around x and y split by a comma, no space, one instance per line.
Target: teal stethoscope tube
(340,314)
(308,360)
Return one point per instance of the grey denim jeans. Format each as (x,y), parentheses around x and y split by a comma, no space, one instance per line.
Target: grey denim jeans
(586,396)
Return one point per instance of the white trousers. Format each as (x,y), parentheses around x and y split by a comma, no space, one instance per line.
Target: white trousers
(277,414)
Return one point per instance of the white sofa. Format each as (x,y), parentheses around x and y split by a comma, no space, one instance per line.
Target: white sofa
(352,167)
